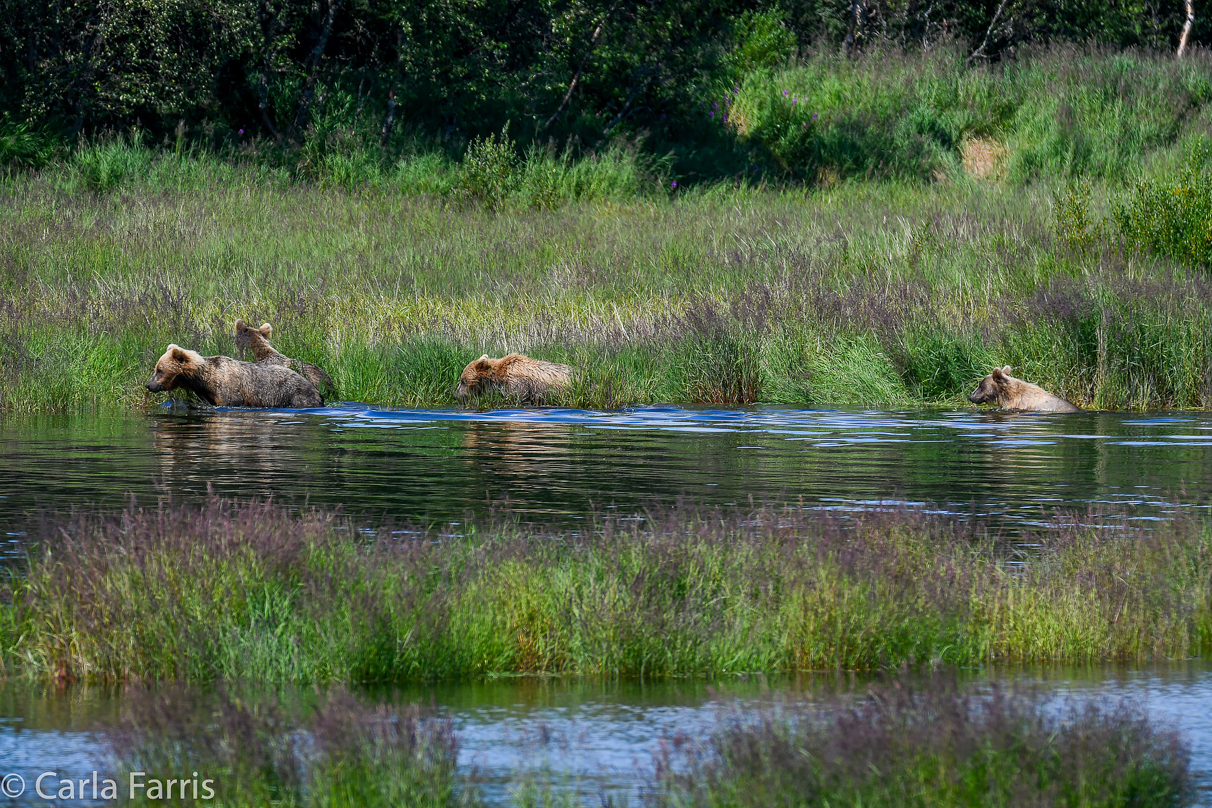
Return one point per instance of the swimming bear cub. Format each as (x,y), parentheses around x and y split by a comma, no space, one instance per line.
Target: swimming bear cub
(1009,393)
(225,382)
(516,376)
(257,339)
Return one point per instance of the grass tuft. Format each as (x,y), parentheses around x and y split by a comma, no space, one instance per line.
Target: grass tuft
(931,743)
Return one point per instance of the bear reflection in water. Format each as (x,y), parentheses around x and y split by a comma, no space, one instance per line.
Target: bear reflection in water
(245,453)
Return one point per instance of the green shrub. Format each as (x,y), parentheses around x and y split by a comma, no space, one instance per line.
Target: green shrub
(1171,219)
(1073,219)
(487,174)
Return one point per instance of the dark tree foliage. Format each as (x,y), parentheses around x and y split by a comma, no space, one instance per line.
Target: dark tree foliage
(391,71)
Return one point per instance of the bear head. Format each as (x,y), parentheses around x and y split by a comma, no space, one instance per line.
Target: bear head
(247,337)
(475,378)
(991,388)
(176,364)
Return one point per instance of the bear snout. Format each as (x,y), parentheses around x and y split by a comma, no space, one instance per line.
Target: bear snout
(461,391)
(975,398)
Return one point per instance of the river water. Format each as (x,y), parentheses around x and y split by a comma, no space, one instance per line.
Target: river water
(436,466)
(440,467)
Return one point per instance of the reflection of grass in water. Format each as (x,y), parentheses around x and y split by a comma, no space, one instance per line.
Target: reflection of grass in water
(905,740)
(866,294)
(257,591)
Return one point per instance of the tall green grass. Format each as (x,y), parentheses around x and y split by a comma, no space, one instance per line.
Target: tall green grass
(1075,252)
(259,592)
(866,295)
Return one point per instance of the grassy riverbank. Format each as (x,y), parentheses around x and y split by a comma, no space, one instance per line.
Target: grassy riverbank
(880,295)
(255,591)
(885,265)
(907,740)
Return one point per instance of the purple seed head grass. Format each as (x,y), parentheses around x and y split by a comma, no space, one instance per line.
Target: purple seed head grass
(182,592)
(926,739)
(257,743)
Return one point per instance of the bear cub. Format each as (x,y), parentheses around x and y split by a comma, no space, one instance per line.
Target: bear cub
(225,382)
(257,339)
(1009,393)
(516,376)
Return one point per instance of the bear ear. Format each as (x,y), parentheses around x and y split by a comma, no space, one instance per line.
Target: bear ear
(998,374)
(1006,370)
(240,325)
(482,358)
(178,354)
(266,329)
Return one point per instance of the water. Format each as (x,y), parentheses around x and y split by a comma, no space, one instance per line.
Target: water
(438,467)
(593,736)
(552,465)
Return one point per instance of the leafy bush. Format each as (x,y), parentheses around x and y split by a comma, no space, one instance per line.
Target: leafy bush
(486,175)
(761,40)
(1172,219)
(1071,210)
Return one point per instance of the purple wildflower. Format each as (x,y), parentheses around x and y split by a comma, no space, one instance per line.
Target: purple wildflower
(814,116)
(673,184)
(241,131)
(711,115)
(793,99)
(784,92)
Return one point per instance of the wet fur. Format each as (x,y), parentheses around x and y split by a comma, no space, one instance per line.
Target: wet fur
(257,340)
(515,376)
(1009,393)
(225,382)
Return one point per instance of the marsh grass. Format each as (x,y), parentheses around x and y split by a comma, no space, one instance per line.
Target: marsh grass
(255,590)
(864,296)
(909,742)
(258,749)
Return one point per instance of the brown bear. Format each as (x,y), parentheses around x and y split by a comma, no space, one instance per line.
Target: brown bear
(516,376)
(225,382)
(1009,393)
(257,339)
